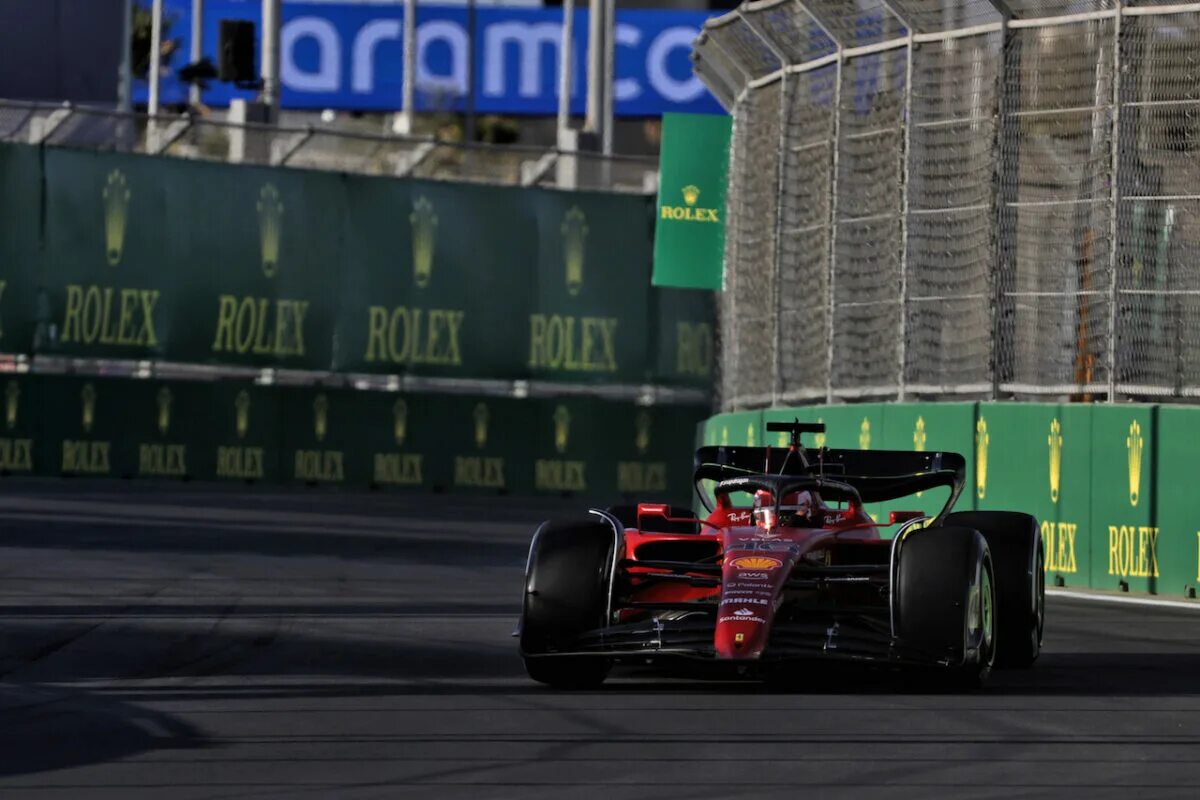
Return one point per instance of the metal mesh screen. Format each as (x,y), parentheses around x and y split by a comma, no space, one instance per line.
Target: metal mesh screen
(805,203)
(951,214)
(971,199)
(1158,277)
(1056,157)
(867,243)
(752,241)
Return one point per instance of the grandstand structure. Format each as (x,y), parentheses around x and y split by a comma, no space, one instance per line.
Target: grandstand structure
(959,199)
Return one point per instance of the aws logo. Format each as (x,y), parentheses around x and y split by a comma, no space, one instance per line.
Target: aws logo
(689,212)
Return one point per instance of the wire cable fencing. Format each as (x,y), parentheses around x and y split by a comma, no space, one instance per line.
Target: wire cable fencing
(959,199)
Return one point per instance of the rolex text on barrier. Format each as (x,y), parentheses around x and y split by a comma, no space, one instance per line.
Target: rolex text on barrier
(158,258)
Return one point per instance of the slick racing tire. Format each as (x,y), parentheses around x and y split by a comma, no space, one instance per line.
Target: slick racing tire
(1019,559)
(566,594)
(946,601)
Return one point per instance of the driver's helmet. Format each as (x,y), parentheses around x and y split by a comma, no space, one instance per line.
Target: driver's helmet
(797,509)
(764,509)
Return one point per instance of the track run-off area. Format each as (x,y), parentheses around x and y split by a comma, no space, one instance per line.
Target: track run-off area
(196,642)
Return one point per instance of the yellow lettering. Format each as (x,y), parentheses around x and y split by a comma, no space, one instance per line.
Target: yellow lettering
(226,314)
(586,344)
(85,457)
(92,308)
(128,304)
(163,460)
(376,341)
(16,455)
(245,463)
(261,345)
(73,324)
(107,336)
(479,472)
(149,300)
(319,465)
(398,469)
(559,476)
(537,339)
(1114,551)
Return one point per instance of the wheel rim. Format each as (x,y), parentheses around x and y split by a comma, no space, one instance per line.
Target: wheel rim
(987,617)
(1039,599)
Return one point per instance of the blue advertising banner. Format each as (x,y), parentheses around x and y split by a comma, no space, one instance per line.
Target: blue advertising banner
(351,58)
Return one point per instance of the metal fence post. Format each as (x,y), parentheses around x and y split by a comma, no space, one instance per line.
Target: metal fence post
(1114,198)
(833,214)
(1003,190)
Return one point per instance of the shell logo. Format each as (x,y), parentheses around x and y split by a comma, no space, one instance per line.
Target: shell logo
(756,562)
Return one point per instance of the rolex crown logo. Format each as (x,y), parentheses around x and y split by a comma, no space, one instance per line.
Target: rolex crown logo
(642,435)
(241,407)
(1133,444)
(562,428)
(12,403)
(270,228)
(321,417)
(782,441)
(691,194)
(424,240)
(724,435)
(981,457)
(574,231)
(88,397)
(400,421)
(919,436)
(1056,442)
(750,435)
(819,439)
(864,435)
(116,196)
(481,415)
(164,410)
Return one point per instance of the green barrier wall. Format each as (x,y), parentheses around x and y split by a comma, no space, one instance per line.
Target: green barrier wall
(233,431)
(1111,485)
(106,255)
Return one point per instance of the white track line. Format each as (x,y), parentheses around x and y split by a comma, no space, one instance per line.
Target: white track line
(1193,605)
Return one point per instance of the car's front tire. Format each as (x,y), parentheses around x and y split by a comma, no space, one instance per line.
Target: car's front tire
(566,594)
(946,602)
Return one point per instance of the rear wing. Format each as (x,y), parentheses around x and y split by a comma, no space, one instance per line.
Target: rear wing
(877,475)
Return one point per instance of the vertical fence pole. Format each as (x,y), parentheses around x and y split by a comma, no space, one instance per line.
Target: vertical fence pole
(1114,198)
(833,215)
(902,347)
(1004,187)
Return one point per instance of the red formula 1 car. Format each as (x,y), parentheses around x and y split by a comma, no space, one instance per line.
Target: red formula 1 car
(787,567)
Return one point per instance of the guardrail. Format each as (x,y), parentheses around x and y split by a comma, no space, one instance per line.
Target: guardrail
(323,148)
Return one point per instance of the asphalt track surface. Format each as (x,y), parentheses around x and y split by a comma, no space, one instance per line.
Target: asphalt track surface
(199,643)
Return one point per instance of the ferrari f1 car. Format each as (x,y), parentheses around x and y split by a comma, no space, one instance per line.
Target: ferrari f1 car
(788,566)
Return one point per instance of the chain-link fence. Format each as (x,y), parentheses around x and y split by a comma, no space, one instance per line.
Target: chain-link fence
(959,198)
(324,148)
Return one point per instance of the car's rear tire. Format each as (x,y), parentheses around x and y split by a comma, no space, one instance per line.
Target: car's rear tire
(1018,557)
(566,594)
(946,602)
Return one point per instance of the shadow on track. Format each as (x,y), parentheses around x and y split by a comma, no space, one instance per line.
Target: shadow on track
(43,728)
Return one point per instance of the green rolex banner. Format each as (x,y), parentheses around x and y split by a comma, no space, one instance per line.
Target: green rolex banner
(689,238)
